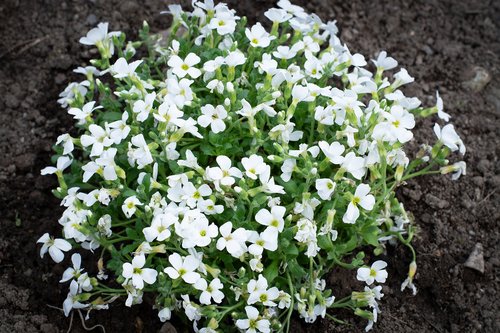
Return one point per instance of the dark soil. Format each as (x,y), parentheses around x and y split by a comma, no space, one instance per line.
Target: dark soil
(439,42)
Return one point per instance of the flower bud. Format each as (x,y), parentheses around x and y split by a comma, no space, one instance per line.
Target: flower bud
(399,172)
(241,272)
(276,94)
(363,314)
(412,270)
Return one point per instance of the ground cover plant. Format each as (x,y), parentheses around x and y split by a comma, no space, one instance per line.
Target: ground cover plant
(228,170)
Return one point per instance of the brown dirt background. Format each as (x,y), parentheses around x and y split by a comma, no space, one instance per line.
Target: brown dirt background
(439,42)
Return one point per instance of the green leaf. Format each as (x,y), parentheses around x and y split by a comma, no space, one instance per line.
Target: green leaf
(371,235)
(271,272)
(325,243)
(291,251)
(295,269)
(110,116)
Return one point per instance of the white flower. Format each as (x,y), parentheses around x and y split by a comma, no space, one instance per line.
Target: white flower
(122,69)
(104,225)
(210,291)
(268,185)
(190,162)
(225,173)
(180,92)
(253,324)
(168,113)
(143,107)
(259,293)
(306,233)
(285,133)
(235,58)
(212,65)
(361,198)
(72,91)
(325,187)
(458,168)
(268,239)
(247,110)
(98,34)
(374,273)
(55,247)
(273,218)
(439,105)
(401,78)
(254,165)
(99,139)
(119,129)
(67,141)
(384,62)
(208,207)
(216,85)
(258,36)
(100,37)
(267,65)
(449,138)
(107,163)
(183,268)
(192,195)
(62,163)
(140,154)
(75,271)
(256,264)
(72,300)
(408,282)
(306,207)
(332,151)
(213,116)
(224,22)
(320,309)
(87,71)
(188,126)
(70,197)
(198,234)
(129,206)
(134,296)
(233,242)
(277,15)
(287,169)
(181,67)
(159,228)
(165,314)
(191,309)
(397,127)
(295,10)
(355,165)
(137,273)
(324,115)
(84,113)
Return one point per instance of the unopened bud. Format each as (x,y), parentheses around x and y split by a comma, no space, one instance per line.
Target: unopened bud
(412,270)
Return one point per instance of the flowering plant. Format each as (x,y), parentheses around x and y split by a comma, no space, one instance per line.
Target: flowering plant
(229,169)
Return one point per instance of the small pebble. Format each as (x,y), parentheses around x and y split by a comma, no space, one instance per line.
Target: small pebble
(476,259)
(480,78)
(167,328)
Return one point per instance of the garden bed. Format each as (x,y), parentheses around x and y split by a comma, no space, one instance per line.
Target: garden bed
(442,44)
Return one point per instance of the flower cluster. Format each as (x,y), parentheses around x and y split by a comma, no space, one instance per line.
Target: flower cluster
(230,168)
